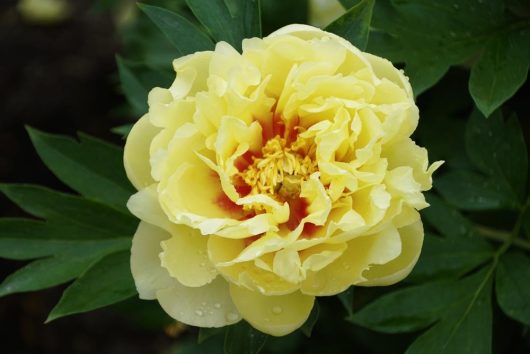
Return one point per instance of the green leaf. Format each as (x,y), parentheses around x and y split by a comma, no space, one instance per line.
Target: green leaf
(279,13)
(409,309)
(27,239)
(468,190)
(425,75)
(460,311)
(307,327)
(90,166)
(248,14)
(132,87)
(407,32)
(107,282)
(449,257)
(447,220)
(45,273)
(501,70)
(60,268)
(497,148)
(346,298)
(229,20)
(513,286)
(349,3)
(354,25)
(84,213)
(183,34)
(465,325)
(242,338)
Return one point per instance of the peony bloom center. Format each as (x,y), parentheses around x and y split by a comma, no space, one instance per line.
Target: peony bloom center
(279,170)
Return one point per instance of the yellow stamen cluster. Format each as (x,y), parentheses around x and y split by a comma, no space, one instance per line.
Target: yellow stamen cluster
(281,169)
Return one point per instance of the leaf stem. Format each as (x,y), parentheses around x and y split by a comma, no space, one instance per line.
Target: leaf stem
(501,236)
(515,231)
(507,238)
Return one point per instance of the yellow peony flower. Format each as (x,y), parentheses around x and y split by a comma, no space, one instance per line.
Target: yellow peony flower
(273,176)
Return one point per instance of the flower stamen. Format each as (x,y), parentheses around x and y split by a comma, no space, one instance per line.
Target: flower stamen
(281,169)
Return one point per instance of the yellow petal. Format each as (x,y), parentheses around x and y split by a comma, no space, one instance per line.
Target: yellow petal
(136,153)
(192,73)
(407,153)
(354,61)
(397,269)
(319,256)
(148,274)
(145,206)
(274,315)
(185,257)
(384,68)
(223,251)
(347,270)
(400,182)
(191,197)
(288,266)
(206,306)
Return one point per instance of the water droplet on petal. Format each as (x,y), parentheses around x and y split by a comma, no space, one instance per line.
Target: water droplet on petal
(277,310)
(199,312)
(217,306)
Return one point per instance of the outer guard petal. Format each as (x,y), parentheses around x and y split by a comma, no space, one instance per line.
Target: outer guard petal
(274,315)
(148,274)
(206,306)
(136,153)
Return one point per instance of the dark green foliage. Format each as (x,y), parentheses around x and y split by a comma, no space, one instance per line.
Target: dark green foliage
(354,25)
(86,239)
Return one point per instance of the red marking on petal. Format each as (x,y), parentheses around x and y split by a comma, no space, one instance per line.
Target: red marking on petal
(278,125)
(310,229)
(266,131)
(249,240)
(227,204)
(291,131)
(298,211)
(245,160)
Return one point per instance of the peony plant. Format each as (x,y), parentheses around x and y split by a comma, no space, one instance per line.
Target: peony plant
(268,177)
(277,180)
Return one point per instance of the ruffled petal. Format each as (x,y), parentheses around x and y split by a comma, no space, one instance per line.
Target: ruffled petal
(347,270)
(397,269)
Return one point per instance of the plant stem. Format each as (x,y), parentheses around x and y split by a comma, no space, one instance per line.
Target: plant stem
(507,238)
(501,236)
